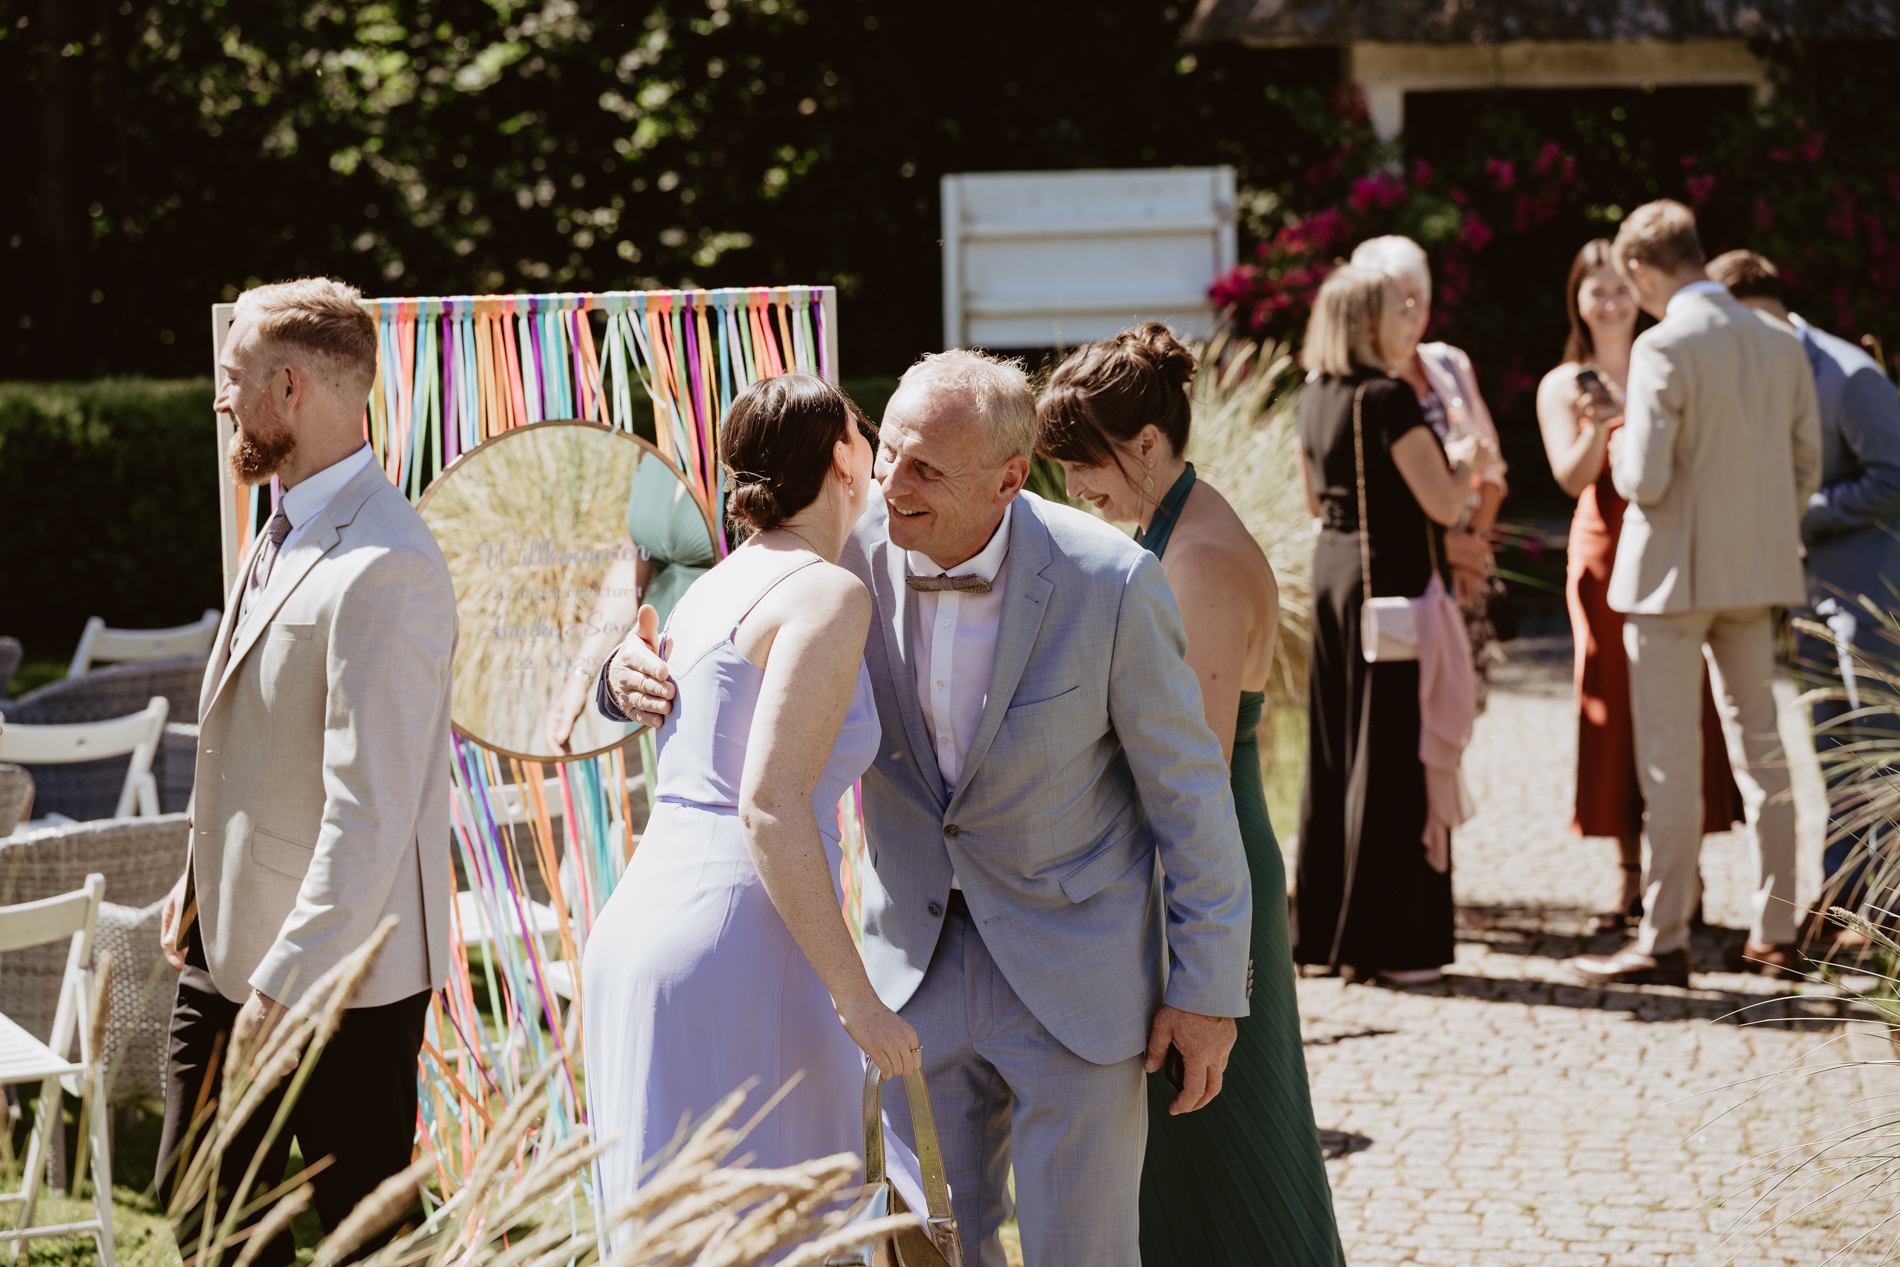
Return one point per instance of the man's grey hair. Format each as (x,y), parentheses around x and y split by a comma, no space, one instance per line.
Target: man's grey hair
(998,389)
(1397,257)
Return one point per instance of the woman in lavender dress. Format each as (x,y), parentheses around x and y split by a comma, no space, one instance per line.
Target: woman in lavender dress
(722,956)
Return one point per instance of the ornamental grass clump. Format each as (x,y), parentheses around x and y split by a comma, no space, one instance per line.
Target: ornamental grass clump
(529,1198)
(1245,441)
(1846,1172)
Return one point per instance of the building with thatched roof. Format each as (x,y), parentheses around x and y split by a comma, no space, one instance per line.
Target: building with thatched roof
(1394,47)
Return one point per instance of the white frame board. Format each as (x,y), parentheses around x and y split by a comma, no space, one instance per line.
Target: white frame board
(1054,259)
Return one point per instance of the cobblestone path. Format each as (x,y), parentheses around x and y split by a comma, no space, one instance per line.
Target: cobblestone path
(1510,1116)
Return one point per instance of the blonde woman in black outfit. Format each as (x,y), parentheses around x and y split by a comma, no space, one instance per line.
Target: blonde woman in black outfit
(1368,898)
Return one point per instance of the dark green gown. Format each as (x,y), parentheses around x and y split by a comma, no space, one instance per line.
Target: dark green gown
(1242,1180)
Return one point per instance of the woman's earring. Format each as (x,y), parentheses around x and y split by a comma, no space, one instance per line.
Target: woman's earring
(850,488)
(1148,485)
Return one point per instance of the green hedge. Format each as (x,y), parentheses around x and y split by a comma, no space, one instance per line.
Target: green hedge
(108,507)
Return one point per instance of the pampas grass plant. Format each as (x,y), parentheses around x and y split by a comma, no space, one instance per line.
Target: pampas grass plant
(1848,1170)
(1245,442)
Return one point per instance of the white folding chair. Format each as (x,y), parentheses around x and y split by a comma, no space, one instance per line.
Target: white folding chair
(24,1059)
(136,733)
(104,645)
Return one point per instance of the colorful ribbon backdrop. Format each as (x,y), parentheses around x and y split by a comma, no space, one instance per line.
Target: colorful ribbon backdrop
(454,372)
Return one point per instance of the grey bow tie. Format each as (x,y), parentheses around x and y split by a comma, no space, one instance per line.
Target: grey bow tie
(957,584)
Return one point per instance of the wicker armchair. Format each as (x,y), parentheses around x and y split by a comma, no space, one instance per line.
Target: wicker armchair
(141,858)
(90,790)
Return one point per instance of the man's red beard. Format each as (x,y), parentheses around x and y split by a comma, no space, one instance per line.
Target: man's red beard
(254,458)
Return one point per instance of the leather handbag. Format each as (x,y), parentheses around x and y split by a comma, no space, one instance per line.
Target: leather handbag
(935,1244)
(1388,627)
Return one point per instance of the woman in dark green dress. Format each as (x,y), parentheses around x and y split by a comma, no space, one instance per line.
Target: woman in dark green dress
(1240,1180)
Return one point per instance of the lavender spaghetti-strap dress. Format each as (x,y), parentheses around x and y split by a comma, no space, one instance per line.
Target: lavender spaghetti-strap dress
(691,982)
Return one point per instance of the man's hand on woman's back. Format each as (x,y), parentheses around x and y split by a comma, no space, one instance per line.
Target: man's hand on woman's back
(637,676)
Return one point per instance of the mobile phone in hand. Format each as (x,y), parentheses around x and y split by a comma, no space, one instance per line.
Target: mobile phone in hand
(1591,384)
(1174,1068)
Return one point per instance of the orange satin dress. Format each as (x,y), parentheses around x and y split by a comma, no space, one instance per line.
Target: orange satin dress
(1609,798)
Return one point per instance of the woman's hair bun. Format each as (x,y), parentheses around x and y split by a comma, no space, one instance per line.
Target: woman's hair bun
(1170,357)
(1107,392)
(756,506)
(777,441)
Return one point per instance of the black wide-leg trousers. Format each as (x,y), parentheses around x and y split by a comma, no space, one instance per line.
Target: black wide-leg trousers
(358,1107)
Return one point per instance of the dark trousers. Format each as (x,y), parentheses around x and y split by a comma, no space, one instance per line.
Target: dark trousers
(358,1106)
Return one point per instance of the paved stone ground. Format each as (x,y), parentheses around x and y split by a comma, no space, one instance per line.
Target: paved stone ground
(1510,1116)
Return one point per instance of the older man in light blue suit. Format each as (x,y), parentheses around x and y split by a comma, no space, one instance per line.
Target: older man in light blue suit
(1058,892)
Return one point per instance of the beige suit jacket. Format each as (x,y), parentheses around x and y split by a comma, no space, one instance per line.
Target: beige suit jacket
(1719,452)
(322,796)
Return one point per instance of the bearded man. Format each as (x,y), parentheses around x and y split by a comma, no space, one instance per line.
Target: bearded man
(322,799)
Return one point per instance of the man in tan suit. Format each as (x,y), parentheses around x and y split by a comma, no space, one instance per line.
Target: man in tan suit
(1719,453)
(322,800)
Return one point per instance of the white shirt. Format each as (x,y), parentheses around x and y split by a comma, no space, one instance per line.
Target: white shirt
(955,645)
(301,504)
(1703,287)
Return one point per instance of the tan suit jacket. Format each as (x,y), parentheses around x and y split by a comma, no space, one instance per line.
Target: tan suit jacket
(1719,452)
(322,797)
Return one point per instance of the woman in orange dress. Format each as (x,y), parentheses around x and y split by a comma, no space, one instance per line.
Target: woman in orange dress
(1577,429)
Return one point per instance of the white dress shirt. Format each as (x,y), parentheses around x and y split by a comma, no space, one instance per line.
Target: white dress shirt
(1703,287)
(301,504)
(955,644)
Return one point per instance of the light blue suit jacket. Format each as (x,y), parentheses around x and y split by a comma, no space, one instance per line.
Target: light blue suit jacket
(1092,763)
(1849,526)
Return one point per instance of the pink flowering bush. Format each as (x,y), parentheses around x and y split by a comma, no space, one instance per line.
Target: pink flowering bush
(1454,219)
(1502,195)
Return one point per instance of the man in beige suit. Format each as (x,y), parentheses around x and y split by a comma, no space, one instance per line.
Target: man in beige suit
(1719,453)
(322,800)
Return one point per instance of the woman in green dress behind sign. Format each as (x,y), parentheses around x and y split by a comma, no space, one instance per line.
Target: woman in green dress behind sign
(1241,1180)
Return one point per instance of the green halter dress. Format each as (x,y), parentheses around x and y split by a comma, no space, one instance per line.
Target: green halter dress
(1242,1180)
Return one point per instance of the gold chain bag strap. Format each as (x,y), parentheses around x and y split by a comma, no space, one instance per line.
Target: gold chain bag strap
(1388,627)
(933,1245)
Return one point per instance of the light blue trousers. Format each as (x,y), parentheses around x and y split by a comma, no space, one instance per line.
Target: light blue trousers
(1003,1088)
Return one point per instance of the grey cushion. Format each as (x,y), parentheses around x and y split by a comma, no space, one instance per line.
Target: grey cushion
(88,790)
(176,766)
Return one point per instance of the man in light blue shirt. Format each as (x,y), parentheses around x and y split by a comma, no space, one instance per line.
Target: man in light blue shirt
(1849,528)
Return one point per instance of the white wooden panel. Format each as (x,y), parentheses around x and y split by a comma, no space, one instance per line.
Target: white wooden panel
(1053,259)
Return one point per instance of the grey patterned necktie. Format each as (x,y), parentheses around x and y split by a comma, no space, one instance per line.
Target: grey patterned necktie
(261,563)
(955,584)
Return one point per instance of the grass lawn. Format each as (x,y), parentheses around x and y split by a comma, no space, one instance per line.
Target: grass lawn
(139,1234)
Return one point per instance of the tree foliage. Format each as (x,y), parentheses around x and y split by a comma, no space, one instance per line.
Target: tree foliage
(183,149)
